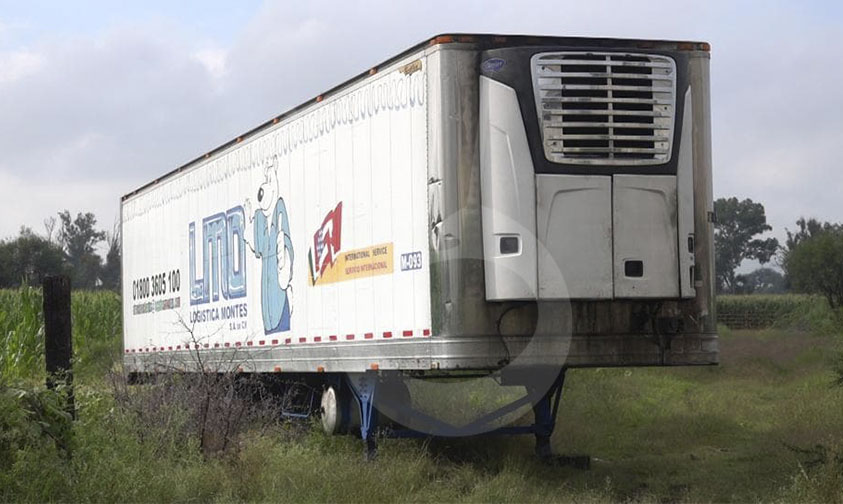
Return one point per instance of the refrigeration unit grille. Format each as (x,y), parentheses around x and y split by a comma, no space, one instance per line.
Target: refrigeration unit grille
(605,108)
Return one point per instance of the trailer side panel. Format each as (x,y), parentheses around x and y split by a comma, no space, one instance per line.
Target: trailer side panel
(311,231)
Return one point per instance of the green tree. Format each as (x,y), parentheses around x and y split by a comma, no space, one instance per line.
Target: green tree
(28,259)
(760,281)
(79,238)
(738,224)
(806,229)
(815,265)
(111,270)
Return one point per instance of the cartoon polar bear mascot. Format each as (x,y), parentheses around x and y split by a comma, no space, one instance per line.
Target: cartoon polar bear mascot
(272,244)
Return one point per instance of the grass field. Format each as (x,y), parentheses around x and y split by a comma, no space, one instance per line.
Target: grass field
(765,425)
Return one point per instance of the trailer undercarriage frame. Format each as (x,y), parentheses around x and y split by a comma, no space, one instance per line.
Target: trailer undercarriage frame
(364,387)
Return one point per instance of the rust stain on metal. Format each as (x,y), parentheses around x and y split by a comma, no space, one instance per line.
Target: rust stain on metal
(411,67)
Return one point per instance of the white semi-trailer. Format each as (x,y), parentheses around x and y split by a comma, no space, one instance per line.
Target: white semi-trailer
(491,204)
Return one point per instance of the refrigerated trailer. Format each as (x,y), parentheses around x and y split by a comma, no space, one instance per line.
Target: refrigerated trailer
(475,204)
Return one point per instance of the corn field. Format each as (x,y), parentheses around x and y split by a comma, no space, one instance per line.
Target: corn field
(96,329)
(792,311)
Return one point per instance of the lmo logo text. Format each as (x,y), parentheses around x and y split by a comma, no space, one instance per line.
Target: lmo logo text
(223,256)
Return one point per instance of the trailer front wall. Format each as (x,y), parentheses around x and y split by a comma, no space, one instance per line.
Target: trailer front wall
(473,332)
(313,230)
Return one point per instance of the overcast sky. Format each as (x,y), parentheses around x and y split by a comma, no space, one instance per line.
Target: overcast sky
(97,98)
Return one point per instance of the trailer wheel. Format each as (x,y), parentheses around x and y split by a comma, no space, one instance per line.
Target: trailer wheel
(331,411)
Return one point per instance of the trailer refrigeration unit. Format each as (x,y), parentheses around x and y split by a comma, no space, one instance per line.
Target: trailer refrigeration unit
(510,206)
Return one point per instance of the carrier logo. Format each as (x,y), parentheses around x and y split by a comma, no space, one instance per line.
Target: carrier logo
(411,261)
(223,258)
(493,65)
(327,244)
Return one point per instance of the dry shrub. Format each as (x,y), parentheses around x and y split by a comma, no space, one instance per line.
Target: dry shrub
(208,411)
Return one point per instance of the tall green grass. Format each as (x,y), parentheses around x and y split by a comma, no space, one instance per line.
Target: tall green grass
(96,326)
(728,433)
(97,331)
(745,431)
(21,333)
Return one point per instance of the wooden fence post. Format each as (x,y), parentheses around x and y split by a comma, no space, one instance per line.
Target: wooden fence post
(58,344)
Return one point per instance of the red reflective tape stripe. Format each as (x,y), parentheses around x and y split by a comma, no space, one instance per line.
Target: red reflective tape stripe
(262,342)
(368,335)
(275,342)
(302,340)
(237,343)
(248,343)
(387,334)
(317,339)
(227,345)
(407,334)
(426,332)
(287,341)
(333,337)
(349,336)
(216,345)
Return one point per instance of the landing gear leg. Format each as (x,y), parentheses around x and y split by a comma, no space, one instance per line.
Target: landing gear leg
(364,386)
(545,412)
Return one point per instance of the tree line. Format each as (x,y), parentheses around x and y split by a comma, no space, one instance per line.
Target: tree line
(811,259)
(67,246)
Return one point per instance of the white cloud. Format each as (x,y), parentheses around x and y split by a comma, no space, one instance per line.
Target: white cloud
(17,65)
(37,199)
(214,61)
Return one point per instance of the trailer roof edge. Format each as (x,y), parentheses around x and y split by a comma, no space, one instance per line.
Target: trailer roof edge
(484,39)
